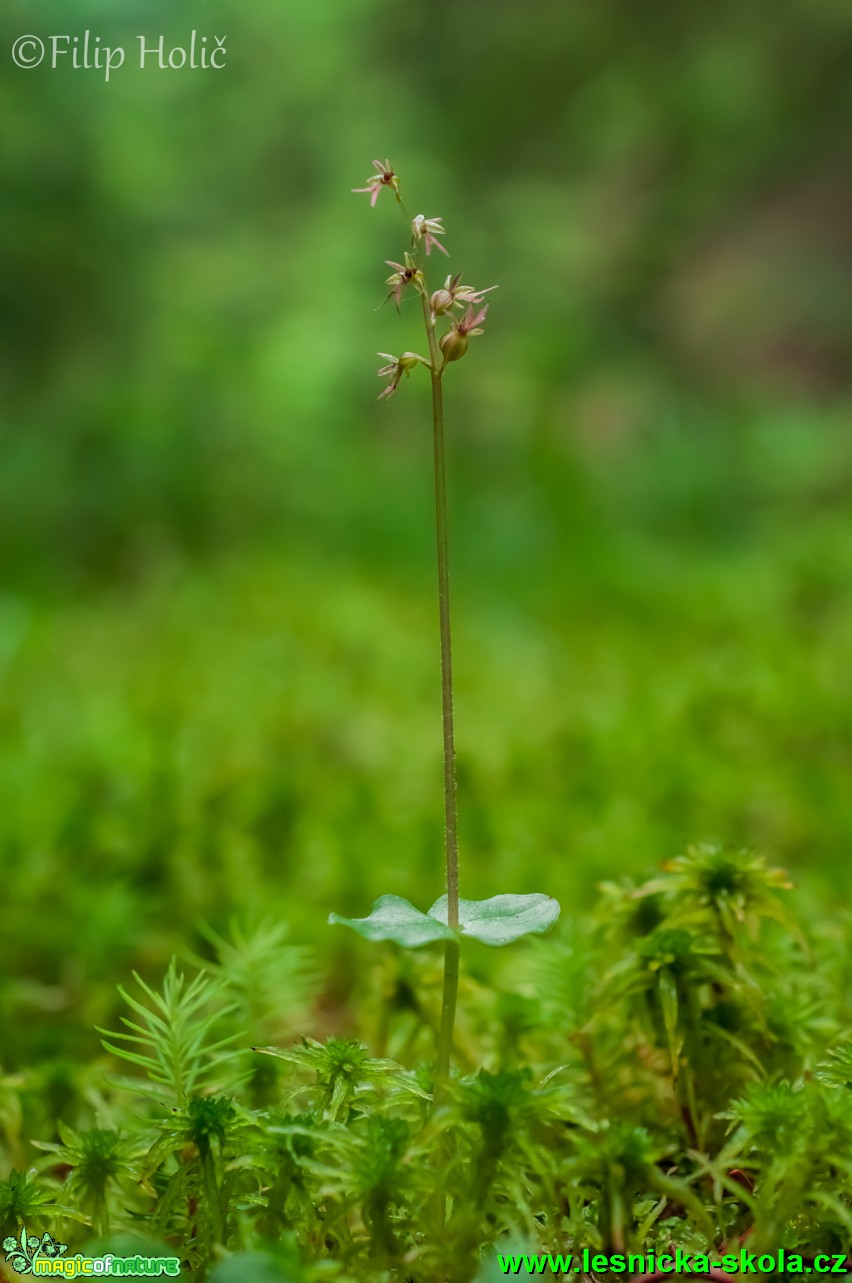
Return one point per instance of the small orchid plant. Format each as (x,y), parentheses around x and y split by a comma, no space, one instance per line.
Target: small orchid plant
(503,918)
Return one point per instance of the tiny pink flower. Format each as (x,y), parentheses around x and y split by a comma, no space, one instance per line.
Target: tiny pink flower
(384,178)
(454,294)
(398,365)
(405,274)
(468,323)
(426,229)
(454,343)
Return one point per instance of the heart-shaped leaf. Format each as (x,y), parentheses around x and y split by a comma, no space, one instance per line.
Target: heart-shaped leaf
(503,918)
(392,918)
(500,920)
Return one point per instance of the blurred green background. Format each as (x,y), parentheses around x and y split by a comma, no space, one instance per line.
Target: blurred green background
(219,687)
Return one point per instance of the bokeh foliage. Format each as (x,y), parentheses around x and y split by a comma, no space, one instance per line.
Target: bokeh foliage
(217,629)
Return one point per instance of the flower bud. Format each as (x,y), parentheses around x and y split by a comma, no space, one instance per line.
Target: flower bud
(440,302)
(453,345)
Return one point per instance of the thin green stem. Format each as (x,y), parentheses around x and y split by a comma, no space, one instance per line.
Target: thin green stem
(450,812)
(451,952)
(448,1009)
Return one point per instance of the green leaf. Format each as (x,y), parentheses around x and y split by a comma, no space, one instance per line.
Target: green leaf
(392,918)
(500,920)
(503,918)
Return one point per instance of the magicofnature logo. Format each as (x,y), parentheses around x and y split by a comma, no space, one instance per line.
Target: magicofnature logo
(39,1256)
(22,1253)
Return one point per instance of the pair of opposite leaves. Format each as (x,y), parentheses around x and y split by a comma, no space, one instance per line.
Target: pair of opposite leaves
(500,920)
